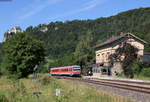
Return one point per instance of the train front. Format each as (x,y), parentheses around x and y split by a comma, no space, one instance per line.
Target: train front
(76,70)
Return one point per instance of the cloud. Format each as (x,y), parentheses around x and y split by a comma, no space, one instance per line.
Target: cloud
(36,7)
(85,7)
(91,4)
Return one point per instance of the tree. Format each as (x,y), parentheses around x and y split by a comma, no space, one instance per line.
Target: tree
(62,38)
(22,54)
(1,56)
(84,53)
(1,52)
(130,55)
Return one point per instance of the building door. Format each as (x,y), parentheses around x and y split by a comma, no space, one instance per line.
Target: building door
(109,71)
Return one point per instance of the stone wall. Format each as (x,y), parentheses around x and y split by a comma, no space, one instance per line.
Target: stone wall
(116,69)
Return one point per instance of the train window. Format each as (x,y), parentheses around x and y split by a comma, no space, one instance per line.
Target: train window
(64,70)
(55,70)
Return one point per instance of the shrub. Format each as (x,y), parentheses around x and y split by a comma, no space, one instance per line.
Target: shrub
(137,68)
(145,72)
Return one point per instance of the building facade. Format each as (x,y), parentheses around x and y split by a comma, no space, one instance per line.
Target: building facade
(104,50)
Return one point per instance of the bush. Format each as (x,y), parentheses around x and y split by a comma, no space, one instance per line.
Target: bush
(3,98)
(137,68)
(145,72)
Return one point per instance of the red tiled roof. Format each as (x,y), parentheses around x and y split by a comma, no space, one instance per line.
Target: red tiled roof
(119,37)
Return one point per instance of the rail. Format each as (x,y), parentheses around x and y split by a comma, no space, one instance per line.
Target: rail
(133,86)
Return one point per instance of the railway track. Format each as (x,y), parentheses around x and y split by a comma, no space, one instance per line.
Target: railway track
(124,81)
(141,87)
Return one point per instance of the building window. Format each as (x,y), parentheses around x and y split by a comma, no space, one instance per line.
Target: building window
(103,56)
(108,54)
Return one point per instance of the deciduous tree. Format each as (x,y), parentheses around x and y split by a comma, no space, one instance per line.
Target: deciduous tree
(22,53)
(130,55)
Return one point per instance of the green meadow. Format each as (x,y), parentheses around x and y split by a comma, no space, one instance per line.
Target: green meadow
(43,89)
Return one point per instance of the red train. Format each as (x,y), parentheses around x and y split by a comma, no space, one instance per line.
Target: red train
(67,70)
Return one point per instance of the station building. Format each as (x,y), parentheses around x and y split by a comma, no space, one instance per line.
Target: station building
(104,50)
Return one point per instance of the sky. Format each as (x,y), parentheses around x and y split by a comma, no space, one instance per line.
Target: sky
(25,13)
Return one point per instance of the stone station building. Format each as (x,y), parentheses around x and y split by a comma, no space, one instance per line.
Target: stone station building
(102,66)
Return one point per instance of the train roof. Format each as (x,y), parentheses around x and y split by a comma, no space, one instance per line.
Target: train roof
(65,66)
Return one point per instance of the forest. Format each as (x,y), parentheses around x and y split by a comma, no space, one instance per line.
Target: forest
(72,42)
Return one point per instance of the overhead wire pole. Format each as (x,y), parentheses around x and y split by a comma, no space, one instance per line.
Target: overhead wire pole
(34,72)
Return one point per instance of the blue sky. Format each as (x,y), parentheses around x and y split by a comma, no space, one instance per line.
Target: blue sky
(25,13)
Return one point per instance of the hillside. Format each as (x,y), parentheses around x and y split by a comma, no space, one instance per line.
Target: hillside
(63,40)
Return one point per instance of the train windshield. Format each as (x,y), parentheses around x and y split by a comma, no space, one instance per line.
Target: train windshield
(76,69)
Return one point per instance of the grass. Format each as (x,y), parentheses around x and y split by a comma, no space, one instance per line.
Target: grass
(140,77)
(43,90)
(136,77)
